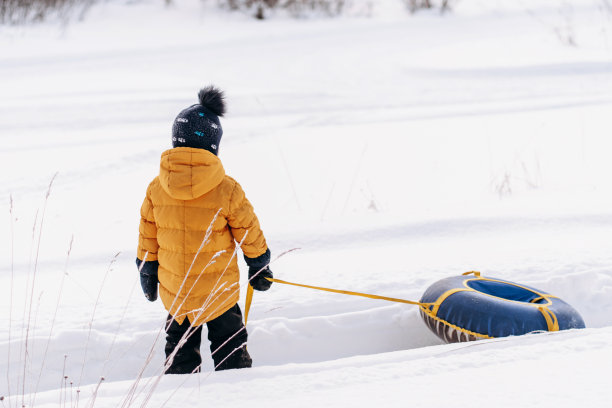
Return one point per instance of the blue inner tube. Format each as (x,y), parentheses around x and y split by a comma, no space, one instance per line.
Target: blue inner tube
(466,308)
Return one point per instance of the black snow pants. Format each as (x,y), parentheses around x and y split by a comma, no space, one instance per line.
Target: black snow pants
(227,336)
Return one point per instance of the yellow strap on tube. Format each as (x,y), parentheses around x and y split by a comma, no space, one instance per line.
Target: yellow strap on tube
(443,297)
(551,319)
(476,273)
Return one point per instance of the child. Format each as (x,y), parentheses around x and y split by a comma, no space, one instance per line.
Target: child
(190,219)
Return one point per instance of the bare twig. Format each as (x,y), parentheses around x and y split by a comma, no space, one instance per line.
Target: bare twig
(357,169)
(33,394)
(8,360)
(59,297)
(289,177)
(91,324)
(125,308)
(95,393)
(63,382)
(25,306)
(42,221)
(329,196)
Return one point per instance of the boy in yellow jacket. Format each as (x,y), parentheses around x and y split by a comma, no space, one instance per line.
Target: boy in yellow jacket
(191,219)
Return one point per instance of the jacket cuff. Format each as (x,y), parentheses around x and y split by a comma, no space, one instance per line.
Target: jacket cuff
(259,262)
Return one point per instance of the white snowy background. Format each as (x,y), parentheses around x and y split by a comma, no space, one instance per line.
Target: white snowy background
(393,149)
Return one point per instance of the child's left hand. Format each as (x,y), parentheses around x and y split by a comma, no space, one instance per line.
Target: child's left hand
(148,278)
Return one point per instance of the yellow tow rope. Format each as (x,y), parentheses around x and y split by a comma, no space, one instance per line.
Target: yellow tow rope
(249,295)
(247,304)
(549,316)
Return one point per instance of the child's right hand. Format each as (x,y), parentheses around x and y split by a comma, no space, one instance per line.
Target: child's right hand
(259,270)
(257,278)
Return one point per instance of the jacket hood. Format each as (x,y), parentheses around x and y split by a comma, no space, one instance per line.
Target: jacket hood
(186,173)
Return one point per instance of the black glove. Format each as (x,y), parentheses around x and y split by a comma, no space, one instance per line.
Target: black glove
(148,278)
(259,271)
(257,278)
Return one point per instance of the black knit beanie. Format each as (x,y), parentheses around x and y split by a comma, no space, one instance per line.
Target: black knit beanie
(198,126)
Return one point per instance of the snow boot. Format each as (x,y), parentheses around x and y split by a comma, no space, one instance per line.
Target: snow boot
(240,358)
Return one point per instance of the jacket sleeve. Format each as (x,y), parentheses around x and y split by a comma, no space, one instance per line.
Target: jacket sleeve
(243,221)
(147,239)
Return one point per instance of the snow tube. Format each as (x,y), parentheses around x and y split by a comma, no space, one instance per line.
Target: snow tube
(466,308)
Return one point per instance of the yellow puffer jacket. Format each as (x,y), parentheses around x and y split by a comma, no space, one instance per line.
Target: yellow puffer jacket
(198,274)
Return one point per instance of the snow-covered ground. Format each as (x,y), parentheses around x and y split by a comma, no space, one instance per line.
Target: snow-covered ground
(393,149)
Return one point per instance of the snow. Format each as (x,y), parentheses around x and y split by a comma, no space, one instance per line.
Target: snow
(392,149)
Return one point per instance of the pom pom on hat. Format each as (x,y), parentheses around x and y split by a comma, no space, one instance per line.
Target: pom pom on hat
(212,99)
